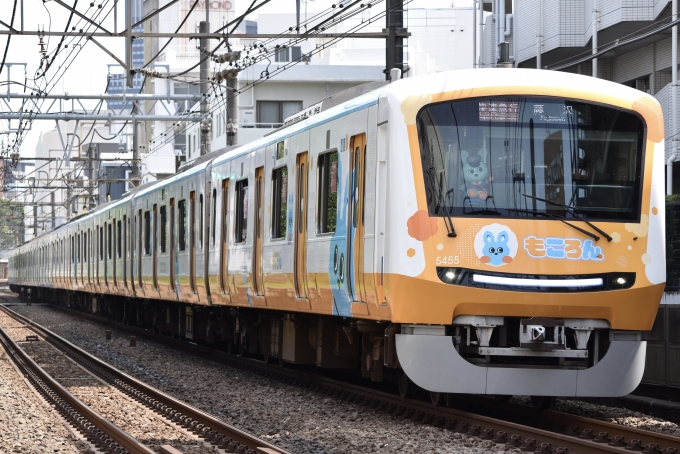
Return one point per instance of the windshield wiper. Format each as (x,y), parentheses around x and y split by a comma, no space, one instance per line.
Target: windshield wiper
(451,232)
(542,213)
(571,210)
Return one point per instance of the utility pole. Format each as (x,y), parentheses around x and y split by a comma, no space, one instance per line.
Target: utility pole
(136,164)
(92,175)
(53,208)
(394,56)
(232,112)
(204,77)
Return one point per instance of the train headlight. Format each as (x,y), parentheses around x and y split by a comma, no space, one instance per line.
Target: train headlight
(619,281)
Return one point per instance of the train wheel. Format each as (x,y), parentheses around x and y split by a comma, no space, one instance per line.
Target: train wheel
(438,399)
(542,402)
(406,386)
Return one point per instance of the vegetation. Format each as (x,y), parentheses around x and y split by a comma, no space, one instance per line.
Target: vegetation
(11,224)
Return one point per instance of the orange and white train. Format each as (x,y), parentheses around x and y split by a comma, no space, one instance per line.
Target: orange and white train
(490,231)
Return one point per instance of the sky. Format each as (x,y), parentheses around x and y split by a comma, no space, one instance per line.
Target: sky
(87,73)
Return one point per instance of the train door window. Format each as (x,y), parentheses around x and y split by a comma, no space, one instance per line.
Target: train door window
(182,223)
(328,192)
(200,221)
(101,243)
(108,241)
(241,228)
(85,247)
(147,233)
(279,202)
(119,239)
(164,226)
(214,214)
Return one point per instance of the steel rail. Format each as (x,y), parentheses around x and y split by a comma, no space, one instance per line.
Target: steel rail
(189,417)
(579,435)
(111,430)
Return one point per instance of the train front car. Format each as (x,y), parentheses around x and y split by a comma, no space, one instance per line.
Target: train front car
(524,231)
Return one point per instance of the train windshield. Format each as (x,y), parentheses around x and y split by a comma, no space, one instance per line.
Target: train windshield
(531,156)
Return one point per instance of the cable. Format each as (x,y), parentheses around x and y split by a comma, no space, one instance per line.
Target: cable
(9,37)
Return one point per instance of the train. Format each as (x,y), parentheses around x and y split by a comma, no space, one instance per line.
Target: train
(487,231)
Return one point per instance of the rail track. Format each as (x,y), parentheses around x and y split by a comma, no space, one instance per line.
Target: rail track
(101,432)
(541,432)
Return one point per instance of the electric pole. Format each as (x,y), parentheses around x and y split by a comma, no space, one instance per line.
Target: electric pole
(394,56)
(204,87)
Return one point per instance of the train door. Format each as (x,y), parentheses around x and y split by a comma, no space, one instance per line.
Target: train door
(192,240)
(224,237)
(301,226)
(154,246)
(258,283)
(139,252)
(172,244)
(355,229)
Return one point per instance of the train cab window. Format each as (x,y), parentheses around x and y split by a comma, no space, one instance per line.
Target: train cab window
(531,156)
(147,233)
(164,226)
(279,202)
(241,229)
(182,224)
(328,192)
(200,221)
(119,237)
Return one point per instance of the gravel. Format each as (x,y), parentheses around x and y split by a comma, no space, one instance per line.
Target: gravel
(27,424)
(132,417)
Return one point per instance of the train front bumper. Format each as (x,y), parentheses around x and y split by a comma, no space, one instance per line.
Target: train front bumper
(432,362)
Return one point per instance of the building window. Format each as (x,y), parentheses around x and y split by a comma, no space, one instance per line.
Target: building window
(164,224)
(279,202)
(128,182)
(271,114)
(328,192)
(182,220)
(241,230)
(288,54)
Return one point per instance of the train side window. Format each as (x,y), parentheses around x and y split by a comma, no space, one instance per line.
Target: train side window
(200,221)
(328,192)
(147,233)
(101,243)
(108,241)
(118,238)
(279,202)
(241,229)
(164,226)
(182,223)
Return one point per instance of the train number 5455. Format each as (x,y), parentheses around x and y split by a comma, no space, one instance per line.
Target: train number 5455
(448,260)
